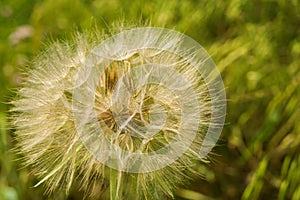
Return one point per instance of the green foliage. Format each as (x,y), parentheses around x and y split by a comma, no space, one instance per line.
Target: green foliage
(256,46)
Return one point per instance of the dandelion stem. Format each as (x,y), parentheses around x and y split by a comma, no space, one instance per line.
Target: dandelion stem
(114,186)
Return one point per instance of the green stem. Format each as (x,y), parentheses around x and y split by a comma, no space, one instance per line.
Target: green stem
(113,184)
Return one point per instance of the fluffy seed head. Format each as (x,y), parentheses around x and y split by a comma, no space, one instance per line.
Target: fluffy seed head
(145,102)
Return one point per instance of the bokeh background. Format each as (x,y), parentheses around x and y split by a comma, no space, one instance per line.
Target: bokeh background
(254,43)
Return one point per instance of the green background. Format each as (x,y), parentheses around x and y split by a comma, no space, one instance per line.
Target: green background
(254,43)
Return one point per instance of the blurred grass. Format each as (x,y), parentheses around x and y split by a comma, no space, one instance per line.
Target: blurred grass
(256,46)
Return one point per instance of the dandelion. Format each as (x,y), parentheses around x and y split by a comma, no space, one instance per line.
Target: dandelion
(136,108)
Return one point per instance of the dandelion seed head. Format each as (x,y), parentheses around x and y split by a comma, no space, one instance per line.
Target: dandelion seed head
(146,101)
